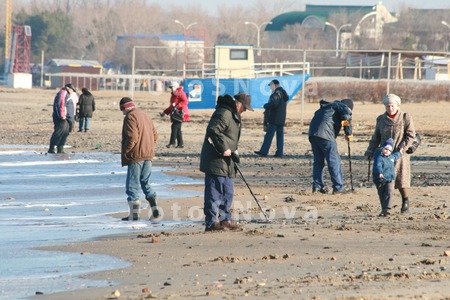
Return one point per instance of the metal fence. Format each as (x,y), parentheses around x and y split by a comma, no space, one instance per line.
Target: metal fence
(381,65)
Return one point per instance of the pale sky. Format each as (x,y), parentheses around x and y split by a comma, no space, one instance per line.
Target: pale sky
(392,5)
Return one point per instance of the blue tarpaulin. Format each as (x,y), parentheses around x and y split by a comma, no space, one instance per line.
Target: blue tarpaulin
(202,93)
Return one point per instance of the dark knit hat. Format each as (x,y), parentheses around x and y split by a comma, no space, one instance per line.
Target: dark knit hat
(348,102)
(70,86)
(126,102)
(245,100)
(275,81)
(388,144)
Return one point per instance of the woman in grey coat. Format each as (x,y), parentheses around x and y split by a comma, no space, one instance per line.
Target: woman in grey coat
(399,126)
(86,108)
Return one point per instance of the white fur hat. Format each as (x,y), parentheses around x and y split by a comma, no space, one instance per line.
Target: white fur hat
(174,85)
(392,98)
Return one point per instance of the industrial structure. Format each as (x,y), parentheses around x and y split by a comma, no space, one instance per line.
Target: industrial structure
(17,52)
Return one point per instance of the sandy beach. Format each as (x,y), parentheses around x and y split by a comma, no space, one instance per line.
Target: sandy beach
(314,247)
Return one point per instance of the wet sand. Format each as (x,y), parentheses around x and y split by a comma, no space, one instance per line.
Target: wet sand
(315,247)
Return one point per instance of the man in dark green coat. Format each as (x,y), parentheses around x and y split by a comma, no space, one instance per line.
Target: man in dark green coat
(217,160)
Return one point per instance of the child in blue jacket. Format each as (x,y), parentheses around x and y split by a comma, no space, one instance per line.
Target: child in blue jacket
(384,174)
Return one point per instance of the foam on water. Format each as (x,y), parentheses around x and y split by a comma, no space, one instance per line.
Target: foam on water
(50,200)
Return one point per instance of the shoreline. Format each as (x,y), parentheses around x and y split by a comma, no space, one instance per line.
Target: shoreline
(347,252)
(260,261)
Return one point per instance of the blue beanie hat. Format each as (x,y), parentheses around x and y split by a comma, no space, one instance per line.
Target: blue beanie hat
(389,144)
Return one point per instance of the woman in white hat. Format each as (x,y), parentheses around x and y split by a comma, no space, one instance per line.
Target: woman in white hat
(399,126)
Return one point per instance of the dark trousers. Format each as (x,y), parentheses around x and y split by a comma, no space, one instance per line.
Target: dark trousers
(176,134)
(60,133)
(268,137)
(385,191)
(324,150)
(219,192)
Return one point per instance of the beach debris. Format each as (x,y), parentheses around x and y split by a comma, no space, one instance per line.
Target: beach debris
(447,253)
(289,199)
(39,293)
(115,295)
(261,284)
(155,240)
(230,259)
(167,283)
(274,256)
(243,280)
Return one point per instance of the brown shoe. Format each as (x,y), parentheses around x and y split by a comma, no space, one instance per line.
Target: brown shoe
(215,227)
(228,224)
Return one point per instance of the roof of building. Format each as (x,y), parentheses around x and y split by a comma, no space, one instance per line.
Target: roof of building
(59,62)
(163,37)
(319,13)
(339,8)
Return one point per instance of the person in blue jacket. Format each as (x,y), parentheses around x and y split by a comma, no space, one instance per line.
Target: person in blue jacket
(323,130)
(384,174)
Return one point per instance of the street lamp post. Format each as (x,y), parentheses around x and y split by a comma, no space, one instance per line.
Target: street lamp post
(185,29)
(258,28)
(338,31)
(445,24)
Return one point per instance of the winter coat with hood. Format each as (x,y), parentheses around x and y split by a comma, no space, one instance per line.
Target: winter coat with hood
(224,130)
(86,104)
(179,99)
(277,106)
(384,165)
(327,121)
(63,107)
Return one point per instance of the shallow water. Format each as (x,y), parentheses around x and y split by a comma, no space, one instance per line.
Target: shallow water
(57,199)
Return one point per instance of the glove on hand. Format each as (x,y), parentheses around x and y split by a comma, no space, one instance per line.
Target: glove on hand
(235,157)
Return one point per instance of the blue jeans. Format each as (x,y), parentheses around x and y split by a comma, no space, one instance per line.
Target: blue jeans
(324,150)
(85,121)
(138,177)
(271,129)
(219,192)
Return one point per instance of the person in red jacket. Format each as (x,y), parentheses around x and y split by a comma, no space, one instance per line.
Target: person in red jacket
(179,113)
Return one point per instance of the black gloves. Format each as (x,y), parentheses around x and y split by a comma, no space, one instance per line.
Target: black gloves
(415,144)
(235,157)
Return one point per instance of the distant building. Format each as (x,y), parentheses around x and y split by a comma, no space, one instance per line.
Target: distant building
(234,61)
(73,70)
(315,16)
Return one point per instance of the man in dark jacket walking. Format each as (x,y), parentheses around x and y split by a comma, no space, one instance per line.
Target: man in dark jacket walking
(323,130)
(275,110)
(86,109)
(218,158)
(63,118)
(139,138)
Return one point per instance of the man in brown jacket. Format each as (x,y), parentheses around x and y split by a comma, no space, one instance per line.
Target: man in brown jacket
(138,149)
